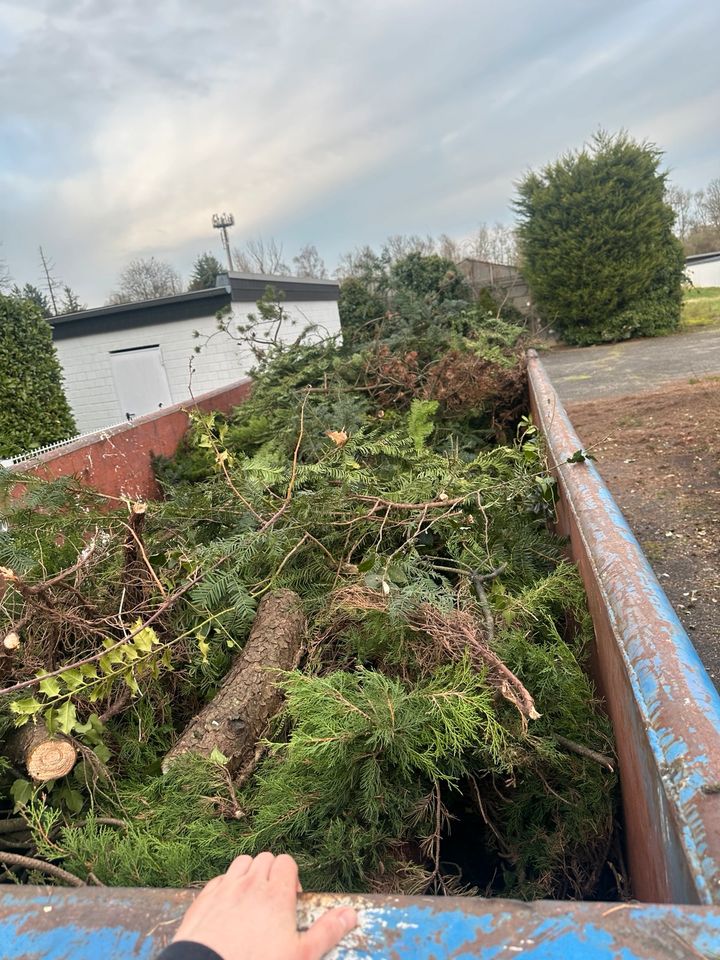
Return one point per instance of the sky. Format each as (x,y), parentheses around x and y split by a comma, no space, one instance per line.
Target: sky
(124,126)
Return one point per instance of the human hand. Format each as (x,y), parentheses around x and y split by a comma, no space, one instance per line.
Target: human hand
(248,913)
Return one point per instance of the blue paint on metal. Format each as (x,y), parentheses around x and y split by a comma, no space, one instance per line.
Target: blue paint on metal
(667,723)
(124,924)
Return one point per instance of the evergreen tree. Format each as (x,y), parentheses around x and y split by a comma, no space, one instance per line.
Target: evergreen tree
(597,245)
(70,302)
(205,271)
(34,295)
(33,408)
(429,276)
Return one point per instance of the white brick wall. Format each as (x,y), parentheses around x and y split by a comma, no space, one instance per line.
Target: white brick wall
(86,360)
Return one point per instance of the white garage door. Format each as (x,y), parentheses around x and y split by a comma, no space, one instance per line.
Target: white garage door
(141,383)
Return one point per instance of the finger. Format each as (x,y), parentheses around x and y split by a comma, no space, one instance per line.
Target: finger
(327,932)
(260,867)
(239,867)
(212,884)
(284,873)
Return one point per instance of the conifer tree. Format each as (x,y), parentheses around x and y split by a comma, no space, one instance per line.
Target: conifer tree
(597,245)
(33,407)
(206,269)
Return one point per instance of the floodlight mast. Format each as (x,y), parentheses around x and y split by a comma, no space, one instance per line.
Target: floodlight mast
(221,222)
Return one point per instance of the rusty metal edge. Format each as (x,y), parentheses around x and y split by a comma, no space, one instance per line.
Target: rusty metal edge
(664,707)
(63,924)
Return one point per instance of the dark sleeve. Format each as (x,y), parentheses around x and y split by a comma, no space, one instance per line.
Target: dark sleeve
(187,950)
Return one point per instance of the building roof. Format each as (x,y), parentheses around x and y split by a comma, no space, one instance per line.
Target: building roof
(702,257)
(235,287)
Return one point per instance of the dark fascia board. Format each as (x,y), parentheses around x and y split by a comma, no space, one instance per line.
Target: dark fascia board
(143,313)
(700,257)
(249,287)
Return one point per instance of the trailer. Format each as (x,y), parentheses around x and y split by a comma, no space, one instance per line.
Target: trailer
(665,713)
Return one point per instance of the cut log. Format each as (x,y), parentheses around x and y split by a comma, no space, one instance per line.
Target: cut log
(45,757)
(239,714)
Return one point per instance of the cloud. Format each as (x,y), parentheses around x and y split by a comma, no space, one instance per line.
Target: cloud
(124,127)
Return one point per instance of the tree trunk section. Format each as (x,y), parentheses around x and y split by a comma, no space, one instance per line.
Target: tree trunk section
(43,756)
(248,698)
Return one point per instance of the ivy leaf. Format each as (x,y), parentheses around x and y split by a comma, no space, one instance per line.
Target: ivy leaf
(217,756)
(204,648)
(66,717)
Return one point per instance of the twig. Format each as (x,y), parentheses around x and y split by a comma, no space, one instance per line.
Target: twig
(144,556)
(293,473)
(13,825)
(485,604)
(585,752)
(484,577)
(93,658)
(30,863)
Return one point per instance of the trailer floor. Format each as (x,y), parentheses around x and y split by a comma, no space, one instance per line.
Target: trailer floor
(659,453)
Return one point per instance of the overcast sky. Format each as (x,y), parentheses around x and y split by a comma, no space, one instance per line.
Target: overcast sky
(124,126)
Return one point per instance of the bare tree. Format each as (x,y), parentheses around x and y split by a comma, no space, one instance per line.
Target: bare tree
(5,277)
(146,279)
(709,204)
(261,256)
(399,245)
(49,280)
(450,248)
(495,243)
(683,203)
(309,263)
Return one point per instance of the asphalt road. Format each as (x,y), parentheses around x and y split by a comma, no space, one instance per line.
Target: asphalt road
(634,366)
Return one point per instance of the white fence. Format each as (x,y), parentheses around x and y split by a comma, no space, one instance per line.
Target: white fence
(39,451)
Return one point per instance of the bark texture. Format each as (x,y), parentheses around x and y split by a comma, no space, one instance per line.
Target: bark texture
(239,714)
(44,757)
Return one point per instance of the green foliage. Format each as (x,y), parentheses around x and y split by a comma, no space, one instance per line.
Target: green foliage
(597,246)
(360,309)
(375,513)
(206,269)
(420,424)
(33,408)
(429,276)
(173,834)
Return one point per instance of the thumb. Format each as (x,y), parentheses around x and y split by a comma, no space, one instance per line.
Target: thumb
(327,932)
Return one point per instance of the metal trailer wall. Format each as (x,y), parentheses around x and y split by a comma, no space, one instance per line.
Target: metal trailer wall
(666,715)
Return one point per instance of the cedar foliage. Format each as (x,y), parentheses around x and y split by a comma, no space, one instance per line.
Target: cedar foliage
(33,408)
(596,242)
(438,603)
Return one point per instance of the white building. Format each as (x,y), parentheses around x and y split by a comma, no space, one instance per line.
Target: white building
(704,269)
(128,359)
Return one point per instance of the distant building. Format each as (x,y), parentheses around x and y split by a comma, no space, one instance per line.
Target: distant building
(704,269)
(124,360)
(504,280)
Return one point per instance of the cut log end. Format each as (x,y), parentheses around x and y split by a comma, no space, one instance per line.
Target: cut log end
(44,756)
(50,760)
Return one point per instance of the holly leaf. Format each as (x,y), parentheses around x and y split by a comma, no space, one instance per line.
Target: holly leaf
(25,707)
(50,687)
(66,717)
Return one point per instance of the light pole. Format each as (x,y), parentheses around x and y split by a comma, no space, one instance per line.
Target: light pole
(221,222)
